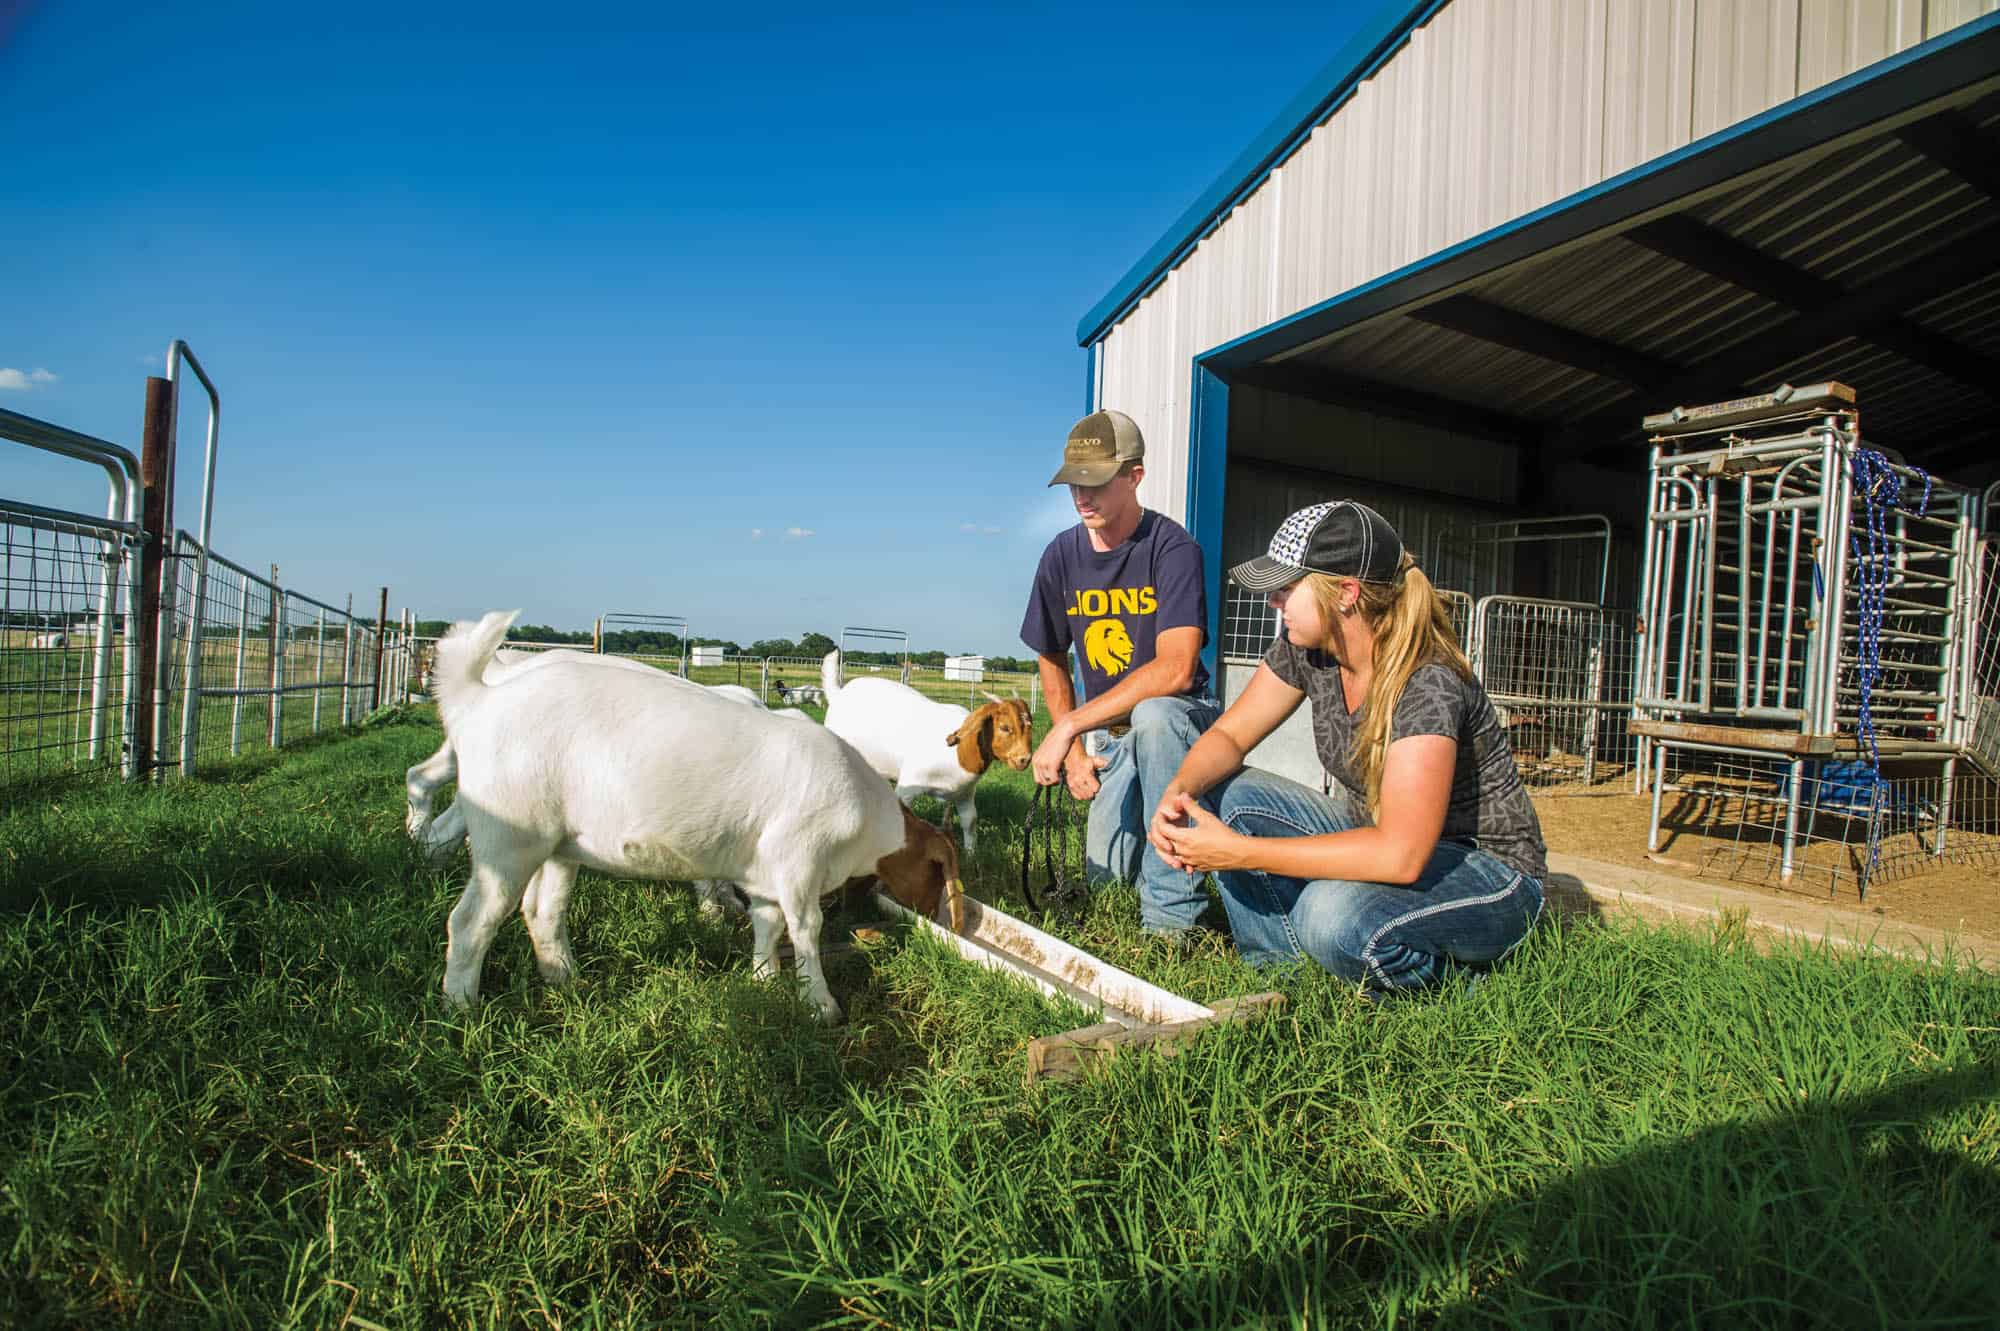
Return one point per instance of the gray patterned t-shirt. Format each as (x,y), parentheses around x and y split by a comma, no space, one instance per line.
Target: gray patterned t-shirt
(1489,805)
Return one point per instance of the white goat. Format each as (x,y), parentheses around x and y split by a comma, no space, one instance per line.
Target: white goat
(926,747)
(566,765)
(421,783)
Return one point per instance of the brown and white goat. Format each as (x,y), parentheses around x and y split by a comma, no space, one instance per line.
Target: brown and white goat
(927,747)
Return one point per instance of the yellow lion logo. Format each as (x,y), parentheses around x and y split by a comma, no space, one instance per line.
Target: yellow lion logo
(1107,646)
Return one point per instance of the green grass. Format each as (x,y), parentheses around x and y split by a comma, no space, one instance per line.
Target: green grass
(230,1096)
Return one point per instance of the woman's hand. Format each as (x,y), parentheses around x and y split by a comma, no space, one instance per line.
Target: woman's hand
(1206,844)
(1166,820)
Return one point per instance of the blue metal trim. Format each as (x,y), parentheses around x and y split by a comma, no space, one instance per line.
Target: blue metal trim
(1090,379)
(1207,474)
(1967,54)
(1380,38)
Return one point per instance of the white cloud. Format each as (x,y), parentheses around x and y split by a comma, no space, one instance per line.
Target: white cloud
(21,381)
(991,531)
(756,533)
(968,526)
(797,533)
(973,528)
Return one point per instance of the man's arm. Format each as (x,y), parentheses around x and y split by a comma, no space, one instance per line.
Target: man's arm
(1170,671)
(1070,763)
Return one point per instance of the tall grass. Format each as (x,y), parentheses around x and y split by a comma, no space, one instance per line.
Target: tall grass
(230,1096)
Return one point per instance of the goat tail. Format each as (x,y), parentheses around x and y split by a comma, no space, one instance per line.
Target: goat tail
(829,674)
(463,654)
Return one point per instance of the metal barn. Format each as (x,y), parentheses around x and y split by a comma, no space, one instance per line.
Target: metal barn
(1462,268)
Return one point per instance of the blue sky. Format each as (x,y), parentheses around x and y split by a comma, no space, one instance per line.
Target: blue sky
(761,316)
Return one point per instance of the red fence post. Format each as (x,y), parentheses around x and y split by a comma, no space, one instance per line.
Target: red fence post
(156,481)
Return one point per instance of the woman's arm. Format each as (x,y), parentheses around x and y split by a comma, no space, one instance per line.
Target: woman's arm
(1260,709)
(1416,792)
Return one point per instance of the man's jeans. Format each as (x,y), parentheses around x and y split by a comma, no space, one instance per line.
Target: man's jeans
(1143,761)
(1466,908)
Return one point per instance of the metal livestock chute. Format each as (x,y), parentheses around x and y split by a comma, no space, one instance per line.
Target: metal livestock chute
(1805,598)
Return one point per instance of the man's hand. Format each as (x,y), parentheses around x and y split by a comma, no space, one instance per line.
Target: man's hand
(1050,753)
(1207,844)
(1080,769)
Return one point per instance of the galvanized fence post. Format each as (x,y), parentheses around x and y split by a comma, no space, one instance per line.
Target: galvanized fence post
(242,651)
(319,667)
(279,646)
(347,668)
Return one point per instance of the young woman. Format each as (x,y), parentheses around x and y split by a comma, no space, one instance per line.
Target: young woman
(1426,854)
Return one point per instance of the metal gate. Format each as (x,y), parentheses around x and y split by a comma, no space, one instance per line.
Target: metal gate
(69,604)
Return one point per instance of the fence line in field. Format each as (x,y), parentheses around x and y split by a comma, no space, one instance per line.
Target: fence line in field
(785,681)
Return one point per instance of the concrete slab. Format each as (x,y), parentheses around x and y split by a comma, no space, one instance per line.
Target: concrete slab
(1596,888)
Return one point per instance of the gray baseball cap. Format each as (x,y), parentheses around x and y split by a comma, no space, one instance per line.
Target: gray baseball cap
(1098,446)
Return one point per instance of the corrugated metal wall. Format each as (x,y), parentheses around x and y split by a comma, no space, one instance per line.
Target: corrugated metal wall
(1493,109)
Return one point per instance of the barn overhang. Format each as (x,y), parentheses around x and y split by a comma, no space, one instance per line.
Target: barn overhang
(1852,233)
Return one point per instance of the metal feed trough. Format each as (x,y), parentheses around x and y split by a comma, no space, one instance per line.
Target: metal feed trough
(1803,596)
(1137,1014)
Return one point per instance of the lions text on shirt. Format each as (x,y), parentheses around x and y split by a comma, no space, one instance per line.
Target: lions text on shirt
(1112,605)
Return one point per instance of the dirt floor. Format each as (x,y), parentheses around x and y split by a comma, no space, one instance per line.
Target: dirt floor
(1707,838)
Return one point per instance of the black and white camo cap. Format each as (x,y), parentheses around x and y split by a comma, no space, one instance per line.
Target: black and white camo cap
(1340,537)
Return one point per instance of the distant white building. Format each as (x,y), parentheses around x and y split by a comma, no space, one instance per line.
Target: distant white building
(709,656)
(965,669)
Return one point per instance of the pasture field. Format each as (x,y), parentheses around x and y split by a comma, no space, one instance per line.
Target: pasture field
(230,1096)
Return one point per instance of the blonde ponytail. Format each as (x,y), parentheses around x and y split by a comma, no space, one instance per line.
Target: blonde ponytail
(1412,627)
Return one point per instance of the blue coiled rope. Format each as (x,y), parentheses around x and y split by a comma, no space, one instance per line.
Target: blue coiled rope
(1881,491)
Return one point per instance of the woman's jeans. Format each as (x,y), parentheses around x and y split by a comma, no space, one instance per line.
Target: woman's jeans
(1465,909)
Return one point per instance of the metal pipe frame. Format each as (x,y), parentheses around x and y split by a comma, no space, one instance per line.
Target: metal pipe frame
(178,352)
(121,467)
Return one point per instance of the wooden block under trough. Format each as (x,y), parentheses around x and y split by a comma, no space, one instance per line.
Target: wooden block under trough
(1068,1056)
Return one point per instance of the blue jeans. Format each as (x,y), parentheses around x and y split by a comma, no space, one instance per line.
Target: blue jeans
(1142,762)
(1465,909)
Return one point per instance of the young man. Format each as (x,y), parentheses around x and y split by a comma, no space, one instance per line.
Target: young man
(1124,586)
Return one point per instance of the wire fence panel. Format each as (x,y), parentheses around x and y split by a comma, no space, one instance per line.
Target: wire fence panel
(69,618)
(234,668)
(933,682)
(1831,823)
(1560,676)
(1983,705)
(273,666)
(66,585)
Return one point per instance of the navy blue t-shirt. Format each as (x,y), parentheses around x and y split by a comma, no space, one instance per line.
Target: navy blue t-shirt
(1113,604)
